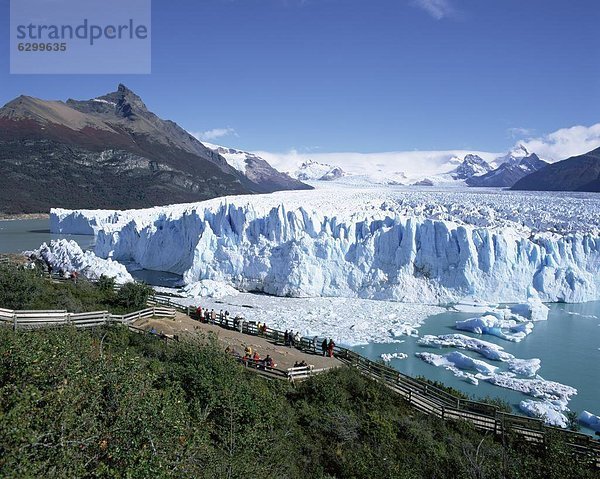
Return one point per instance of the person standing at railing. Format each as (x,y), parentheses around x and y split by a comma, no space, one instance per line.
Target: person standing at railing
(286,338)
(213,316)
(324,346)
(330,347)
(199,313)
(297,342)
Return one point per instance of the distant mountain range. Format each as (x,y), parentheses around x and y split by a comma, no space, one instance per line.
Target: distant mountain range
(112,152)
(257,169)
(578,173)
(516,165)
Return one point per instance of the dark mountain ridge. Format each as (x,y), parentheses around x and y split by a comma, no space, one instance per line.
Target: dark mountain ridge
(109,152)
(578,173)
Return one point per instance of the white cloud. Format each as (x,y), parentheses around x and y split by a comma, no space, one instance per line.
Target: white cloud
(214,133)
(438,9)
(564,143)
(520,132)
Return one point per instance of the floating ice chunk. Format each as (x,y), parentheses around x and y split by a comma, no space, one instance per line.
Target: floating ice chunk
(509,330)
(209,289)
(524,367)
(387,357)
(534,309)
(485,348)
(67,256)
(558,393)
(549,412)
(460,361)
(590,420)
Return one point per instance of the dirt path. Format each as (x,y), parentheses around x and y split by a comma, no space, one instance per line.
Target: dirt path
(284,356)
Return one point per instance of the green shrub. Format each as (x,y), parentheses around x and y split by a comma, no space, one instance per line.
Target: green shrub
(133,296)
(18,286)
(110,403)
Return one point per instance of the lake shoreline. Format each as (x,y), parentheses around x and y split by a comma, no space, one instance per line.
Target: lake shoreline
(24,216)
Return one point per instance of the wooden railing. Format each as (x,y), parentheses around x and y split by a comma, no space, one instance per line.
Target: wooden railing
(57,318)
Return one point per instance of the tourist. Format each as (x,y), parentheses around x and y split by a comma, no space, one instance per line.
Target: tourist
(324,347)
(199,313)
(221,317)
(268,362)
(213,316)
(286,338)
(330,347)
(297,342)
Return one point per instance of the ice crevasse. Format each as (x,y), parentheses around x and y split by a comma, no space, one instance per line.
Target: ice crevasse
(300,251)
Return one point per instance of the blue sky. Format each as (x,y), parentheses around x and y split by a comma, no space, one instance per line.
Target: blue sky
(359,75)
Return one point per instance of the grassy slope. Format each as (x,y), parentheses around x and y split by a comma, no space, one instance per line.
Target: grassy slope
(110,403)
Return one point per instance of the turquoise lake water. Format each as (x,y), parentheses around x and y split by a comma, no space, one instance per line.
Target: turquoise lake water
(568,344)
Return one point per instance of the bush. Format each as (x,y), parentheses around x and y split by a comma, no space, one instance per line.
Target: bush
(18,286)
(110,403)
(133,296)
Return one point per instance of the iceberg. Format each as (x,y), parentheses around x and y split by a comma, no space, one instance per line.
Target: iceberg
(485,348)
(509,330)
(387,357)
(385,244)
(559,394)
(66,256)
(590,420)
(550,413)
(460,361)
(523,367)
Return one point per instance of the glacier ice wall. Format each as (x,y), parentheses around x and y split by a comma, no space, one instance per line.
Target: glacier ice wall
(301,252)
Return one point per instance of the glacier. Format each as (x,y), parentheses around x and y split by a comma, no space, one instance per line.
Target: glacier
(433,247)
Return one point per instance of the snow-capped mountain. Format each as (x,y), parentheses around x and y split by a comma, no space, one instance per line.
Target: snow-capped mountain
(313,171)
(514,156)
(257,169)
(472,165)
(517,164)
